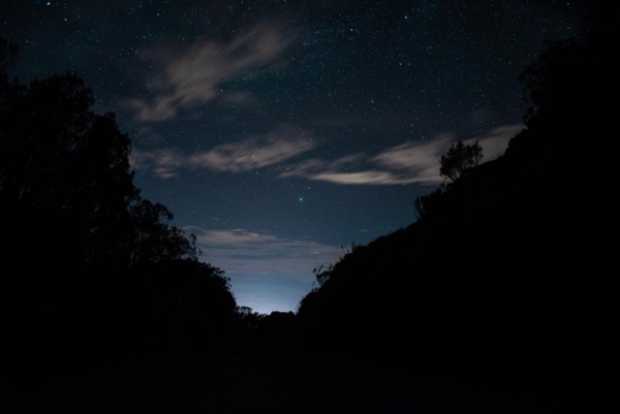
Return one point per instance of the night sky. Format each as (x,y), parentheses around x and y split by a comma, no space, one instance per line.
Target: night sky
(283,132)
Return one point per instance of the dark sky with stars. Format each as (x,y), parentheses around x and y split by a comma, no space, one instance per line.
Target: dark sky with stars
(281,132)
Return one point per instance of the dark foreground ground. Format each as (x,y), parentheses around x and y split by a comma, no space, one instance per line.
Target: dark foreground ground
(271,380)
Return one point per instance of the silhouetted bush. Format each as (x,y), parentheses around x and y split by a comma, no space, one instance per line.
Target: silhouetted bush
(90,266)
(479,285)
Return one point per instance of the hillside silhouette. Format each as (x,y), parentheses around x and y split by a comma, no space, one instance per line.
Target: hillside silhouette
(486,285)
(479,306)
(91,268)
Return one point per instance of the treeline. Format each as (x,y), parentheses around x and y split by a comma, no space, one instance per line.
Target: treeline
(493,282)
(90,269)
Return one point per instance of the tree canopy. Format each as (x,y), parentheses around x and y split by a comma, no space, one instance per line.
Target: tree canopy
(459,158)
(90,258)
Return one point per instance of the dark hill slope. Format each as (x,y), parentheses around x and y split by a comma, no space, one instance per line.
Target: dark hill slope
(494,279)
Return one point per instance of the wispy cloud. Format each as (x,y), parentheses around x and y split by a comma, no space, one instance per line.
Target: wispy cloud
(408,163)
(367,177)
(230,239)
(403,164)
(495,141)
(164,162)
(267,272)
(194,76)
(282,144)
(257,255)
(273,148)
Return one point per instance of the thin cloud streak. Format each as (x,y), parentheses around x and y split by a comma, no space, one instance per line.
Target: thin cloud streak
(258,255)
(495,141)
(163,163)
(274,148)
(282,144)
(407,163)
(369,177)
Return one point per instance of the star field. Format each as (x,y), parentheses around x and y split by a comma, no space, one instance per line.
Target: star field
(281,132)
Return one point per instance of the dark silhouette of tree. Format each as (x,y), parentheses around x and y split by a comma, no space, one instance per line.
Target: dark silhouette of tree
(321,274)
(186,304)
(489,287)
(480,276)
(95,267)
(153,239)
(8,55)
(244,310)
(63,162)
(430,203)
(459,158)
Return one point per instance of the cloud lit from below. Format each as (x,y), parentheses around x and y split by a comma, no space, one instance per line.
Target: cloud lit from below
(268,272)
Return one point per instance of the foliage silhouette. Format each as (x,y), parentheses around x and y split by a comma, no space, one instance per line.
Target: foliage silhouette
(459,158)
(8,54)
(478,286)
(476,289)
(96,269)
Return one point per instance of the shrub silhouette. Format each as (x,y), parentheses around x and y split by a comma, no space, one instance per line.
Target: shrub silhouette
(90,265)
(478,285)
(459,158)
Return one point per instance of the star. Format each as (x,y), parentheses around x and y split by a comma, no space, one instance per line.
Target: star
(418,67)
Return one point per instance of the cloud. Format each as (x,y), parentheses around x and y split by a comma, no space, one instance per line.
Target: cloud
(273,148)
(403,164)
(267,272)
(282,144)
(164,163)
(230,238)
(495,142)
(369,177)
(195,75)
(241,251)
(416,162)
(239,98)
(407,163)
